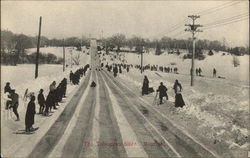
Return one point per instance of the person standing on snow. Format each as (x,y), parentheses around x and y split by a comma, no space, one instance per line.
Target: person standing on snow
(179,102)
(14,103)
(30,114)
(71,75)
(145,85)
(115,70)
(200,71)
(41,101)
(162,92)
(214,72)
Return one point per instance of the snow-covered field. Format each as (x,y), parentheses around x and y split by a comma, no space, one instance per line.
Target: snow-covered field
(219,107)
(222,63)
(21,77)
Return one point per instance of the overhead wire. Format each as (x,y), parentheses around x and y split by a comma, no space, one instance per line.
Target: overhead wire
(226,23)
(218,8)
(228,19)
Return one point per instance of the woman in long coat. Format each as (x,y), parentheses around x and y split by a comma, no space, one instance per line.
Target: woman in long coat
(179,102)
(30,114)
(145,85)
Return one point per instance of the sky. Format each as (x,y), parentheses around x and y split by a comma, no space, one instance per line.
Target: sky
(148,19)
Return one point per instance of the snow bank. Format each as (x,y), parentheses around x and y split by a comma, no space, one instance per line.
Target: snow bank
(21,77)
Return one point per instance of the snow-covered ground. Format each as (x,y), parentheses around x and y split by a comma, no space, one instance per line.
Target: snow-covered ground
(222,63)
(220,107)
(21,77)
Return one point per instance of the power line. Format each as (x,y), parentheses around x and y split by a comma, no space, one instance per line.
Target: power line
(226,23)
(218,8)
(204,12)
(228,19)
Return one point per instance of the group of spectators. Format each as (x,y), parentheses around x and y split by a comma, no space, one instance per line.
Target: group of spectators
(75,77)
(162,89)
(117,68)
(56,94)
(156,68)
(46,104)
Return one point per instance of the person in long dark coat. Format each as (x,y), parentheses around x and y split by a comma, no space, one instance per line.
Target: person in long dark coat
(115,70)
(64,87)
(30,114)
(214,72)
(145,85)
(179,102)
(162,92)
(41,101)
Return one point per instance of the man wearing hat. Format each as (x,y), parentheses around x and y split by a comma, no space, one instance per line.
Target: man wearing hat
(163,92)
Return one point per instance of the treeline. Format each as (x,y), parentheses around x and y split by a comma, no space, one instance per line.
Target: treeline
(13,49)
(24,58)
(138,44)
(17,43)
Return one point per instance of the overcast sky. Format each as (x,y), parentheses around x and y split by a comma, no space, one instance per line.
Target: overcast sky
(145,18)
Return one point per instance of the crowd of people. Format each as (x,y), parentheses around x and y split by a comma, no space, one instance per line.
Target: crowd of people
(75,77)
(117,68)
(46,104)
(162,89)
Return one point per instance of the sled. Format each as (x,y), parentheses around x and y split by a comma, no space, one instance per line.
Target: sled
(150,90)
(27,133)
(24,132)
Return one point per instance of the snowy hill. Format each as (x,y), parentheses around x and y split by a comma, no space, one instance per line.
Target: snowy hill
(222,63)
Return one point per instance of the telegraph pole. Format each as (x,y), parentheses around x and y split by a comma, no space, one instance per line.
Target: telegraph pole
(63,57)
(38,46)
(141,59)
(193,30)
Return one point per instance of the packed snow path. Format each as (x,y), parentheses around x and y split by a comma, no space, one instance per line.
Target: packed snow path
(109,121)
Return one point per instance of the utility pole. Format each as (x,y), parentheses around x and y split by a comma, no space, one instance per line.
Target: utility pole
(141,59)
(193,30)
(71,58)
(38,46)
(63,57)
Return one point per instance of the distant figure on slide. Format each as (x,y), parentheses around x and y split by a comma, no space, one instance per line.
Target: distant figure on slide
(214,72)
(179,102)
(93,84)
(145,85)
(162,92)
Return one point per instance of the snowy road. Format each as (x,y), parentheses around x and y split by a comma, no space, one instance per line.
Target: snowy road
(110,121)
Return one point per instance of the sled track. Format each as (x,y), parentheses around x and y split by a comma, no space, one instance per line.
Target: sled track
(204,151)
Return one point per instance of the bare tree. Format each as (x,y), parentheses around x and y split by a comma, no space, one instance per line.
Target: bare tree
(76,59)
